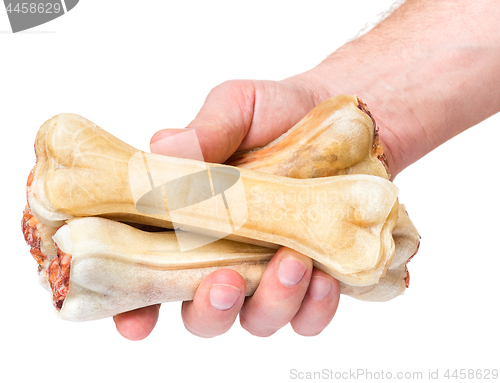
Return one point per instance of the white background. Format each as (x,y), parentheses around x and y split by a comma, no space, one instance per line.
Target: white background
(134,67)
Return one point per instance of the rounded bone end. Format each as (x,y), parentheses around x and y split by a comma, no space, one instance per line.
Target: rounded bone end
(392,285)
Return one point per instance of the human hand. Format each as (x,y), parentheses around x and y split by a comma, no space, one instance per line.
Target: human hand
(239,115)
(411,78)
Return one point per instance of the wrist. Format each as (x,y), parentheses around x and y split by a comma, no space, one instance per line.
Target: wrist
(347,71)
(427,72)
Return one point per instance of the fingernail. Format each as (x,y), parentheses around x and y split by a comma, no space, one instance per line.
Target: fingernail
(183,144)
(291,271)
(223,297)
(319,288)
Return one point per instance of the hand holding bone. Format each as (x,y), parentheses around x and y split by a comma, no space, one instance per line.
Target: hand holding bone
(57,193)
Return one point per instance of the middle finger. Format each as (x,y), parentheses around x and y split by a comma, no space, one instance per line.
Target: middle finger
(279,295)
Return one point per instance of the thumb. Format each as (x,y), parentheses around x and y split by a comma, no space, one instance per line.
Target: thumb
(220,126)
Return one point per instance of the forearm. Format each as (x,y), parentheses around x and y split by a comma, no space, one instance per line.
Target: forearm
(428,72)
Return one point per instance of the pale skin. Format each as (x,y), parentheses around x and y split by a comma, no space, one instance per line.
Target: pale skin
(428,72)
